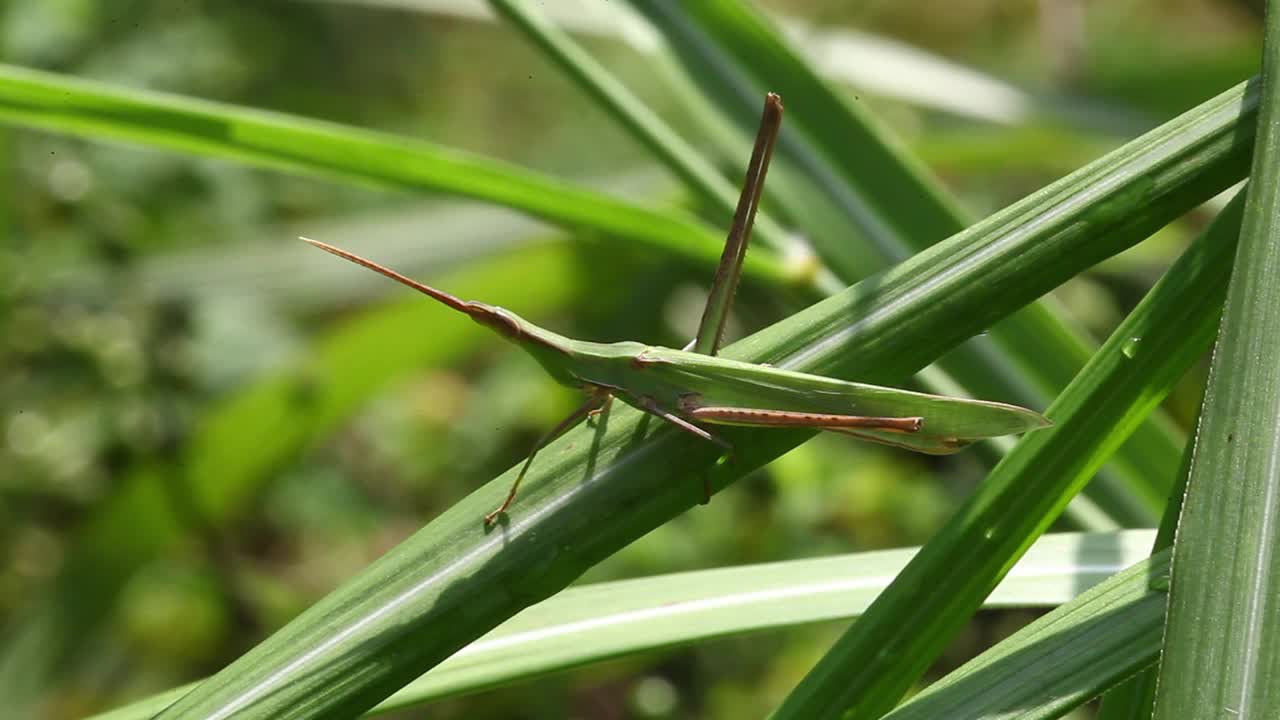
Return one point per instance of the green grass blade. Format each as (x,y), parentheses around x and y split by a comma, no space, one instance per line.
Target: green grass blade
(1222,649)
(59,103)
(592,623)
(636,118)
(844,230)
(892,201)
(878,659)
(600,487)
(294,276)
(1135,698)
(1061,660)
(899,209)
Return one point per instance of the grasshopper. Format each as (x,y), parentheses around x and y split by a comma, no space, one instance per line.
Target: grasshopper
(692,388)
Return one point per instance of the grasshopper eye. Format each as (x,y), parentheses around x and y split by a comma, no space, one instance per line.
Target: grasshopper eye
(495,318)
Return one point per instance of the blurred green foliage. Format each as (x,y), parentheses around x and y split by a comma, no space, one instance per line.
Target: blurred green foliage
(109,374)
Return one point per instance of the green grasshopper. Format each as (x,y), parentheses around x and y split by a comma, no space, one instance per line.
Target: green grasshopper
(691,388)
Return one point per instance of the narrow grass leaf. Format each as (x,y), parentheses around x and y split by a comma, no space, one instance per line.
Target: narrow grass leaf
(898,209)
(892,201)
(1061,660)
(592,623)
(1135,698)
(679,156)
(60,103)
(602,486)
(878,659)
(1222,647)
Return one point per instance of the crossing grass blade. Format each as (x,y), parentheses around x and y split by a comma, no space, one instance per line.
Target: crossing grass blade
(1135,698)
(593,623)
(633,115)
(599,488)
(897,208)
(890,199)
(1222,647)
(1061,660)
(869,668)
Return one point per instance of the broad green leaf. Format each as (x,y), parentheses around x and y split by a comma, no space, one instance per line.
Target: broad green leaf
(1222,646)
(602,486)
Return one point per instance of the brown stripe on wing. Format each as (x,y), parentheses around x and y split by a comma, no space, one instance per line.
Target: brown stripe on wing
(789,418)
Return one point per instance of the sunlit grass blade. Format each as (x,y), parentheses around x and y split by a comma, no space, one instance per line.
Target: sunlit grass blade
(1222,647)
(600,487)
(290,275)
(679,156)
(1135,698)
(592,623)
(877,62)
(892,202)
(877,660)
(897,208)
(81,107)
(1061,660)
(741,216)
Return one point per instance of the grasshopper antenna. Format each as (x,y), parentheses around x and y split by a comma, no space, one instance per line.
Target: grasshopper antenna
(442,296)
(725,285)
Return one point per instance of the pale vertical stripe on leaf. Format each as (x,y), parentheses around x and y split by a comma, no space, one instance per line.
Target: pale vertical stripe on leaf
(1222,647)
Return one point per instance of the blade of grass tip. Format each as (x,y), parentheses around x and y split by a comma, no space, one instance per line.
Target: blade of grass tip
(890,195)
(49,101)
(1222,637)
(1135,698)
(599,488)
(886,651)
(1059,661)
(634,116)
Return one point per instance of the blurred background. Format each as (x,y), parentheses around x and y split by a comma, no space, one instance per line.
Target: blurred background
(206,425)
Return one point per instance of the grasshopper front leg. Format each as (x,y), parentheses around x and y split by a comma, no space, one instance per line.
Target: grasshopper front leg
(595,404)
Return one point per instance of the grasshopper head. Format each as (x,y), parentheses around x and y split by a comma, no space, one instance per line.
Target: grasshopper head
(497,319)
(548,348)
